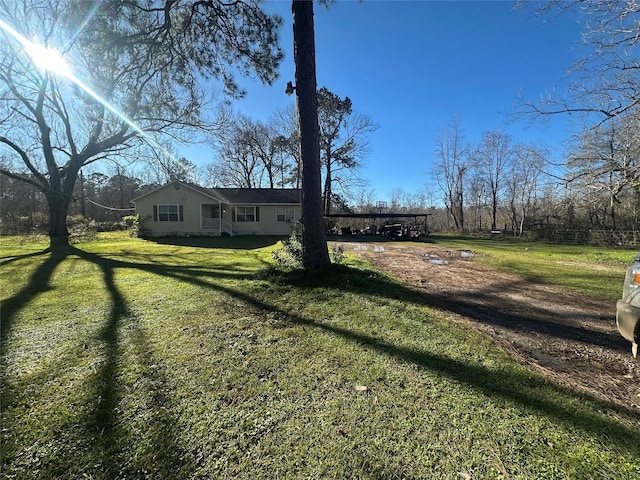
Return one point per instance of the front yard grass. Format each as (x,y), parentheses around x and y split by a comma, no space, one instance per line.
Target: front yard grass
(125,358)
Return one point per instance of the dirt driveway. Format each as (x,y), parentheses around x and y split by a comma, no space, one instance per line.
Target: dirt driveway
(565,335)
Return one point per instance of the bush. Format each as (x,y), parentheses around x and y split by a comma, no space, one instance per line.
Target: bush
(32,224)
(110,226)
(289,257)
(133,223)
(80,228)
(337,254)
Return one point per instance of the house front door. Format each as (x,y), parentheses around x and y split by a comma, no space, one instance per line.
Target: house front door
(210,216)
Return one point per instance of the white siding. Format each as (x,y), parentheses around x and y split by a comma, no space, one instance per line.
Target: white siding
(192,201)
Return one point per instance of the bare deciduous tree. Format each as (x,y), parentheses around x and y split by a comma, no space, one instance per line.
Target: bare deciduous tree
(606,161)
(522,182)
(451,166)
(605,81)
(133,75)
(284,122)
(491,160)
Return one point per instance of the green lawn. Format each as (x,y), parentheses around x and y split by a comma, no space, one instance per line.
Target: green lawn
(596,271)
(125,358)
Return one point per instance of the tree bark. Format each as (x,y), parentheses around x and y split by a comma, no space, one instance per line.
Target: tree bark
(314,244)
(327,189)
(58,207)
(494,211)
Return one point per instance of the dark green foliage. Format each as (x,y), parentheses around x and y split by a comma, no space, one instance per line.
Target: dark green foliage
(289,257)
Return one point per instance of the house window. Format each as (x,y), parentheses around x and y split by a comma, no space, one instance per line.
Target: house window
(246,214)
(168,213)
(285,214)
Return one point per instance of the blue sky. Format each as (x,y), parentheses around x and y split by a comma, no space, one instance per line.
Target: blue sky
(414,65)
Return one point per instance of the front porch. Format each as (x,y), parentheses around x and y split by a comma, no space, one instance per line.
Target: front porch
(212,222)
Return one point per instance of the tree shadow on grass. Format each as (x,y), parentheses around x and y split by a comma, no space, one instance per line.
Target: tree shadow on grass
(525,389)
(38,283)
(9,259)
(161,428)
(102,435)
(517,386)
(241,242)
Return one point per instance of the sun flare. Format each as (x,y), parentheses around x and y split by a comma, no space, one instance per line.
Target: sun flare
(45,58)
(51,60)
(48,59)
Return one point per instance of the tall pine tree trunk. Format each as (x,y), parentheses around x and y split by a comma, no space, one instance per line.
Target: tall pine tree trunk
(314,243)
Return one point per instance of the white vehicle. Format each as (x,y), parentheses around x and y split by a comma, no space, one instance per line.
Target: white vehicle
(628,307)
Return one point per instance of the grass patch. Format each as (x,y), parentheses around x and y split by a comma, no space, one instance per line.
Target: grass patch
(124,358)
(596,271)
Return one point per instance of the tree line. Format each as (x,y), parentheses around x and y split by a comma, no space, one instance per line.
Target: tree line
(500,184)
(497,184)
(59,134)
(251,154)
(248,154)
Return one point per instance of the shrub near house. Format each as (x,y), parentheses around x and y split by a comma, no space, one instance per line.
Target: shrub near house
(183,209)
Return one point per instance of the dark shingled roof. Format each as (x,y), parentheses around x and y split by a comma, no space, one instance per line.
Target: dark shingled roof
(255,195)
(235,196)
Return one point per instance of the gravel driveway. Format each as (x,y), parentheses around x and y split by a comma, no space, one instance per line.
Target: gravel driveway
(567,336)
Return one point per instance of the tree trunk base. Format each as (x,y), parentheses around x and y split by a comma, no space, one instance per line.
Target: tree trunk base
(59,242)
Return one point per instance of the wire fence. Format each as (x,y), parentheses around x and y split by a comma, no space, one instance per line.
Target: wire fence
(620,238)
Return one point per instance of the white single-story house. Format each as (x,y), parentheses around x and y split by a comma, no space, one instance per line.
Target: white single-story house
(181,209)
